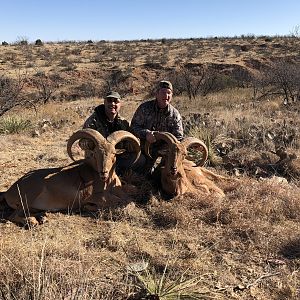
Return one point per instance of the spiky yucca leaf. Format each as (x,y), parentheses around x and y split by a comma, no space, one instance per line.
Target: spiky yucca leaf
(213,158)
(11,125)
(166,288)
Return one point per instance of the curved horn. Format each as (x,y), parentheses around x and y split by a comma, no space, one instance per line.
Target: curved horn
(86,133)
(165,136)
(147,149)
(121,135)
(190,142)
(168,137)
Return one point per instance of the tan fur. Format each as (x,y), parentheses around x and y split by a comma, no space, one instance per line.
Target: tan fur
(179,175)
(201,178)
(91,184)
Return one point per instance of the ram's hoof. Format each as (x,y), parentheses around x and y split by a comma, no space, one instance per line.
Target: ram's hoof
(31,222)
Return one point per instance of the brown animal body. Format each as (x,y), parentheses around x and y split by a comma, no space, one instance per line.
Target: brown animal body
(90,183)
(179,175)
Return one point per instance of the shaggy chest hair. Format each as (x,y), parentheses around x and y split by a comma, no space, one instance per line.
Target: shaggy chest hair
(173,184)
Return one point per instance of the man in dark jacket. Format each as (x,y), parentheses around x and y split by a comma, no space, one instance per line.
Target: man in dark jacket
(106,120)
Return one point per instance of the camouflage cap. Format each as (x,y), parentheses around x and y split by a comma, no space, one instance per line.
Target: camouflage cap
(164,84)
(113,94)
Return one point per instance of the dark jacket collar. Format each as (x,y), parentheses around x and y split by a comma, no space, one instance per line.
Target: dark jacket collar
(100,111)
(166,111)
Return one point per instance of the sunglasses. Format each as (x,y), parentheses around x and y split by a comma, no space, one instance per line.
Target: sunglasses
(111,100)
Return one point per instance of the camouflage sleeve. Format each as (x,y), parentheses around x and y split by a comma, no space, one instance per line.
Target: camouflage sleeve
(90,121)
(124,124)
(138,123)
(178,128)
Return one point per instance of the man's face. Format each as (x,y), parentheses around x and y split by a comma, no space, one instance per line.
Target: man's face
(112,106)
(164,97)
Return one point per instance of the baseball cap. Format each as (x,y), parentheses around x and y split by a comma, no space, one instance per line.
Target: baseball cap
(113,94)
(165,84)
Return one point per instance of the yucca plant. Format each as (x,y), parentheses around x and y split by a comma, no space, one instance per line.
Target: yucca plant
(162,287)
(13,124)
(213,158)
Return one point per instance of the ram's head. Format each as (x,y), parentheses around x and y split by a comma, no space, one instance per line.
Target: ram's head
(101,152)
(176,152)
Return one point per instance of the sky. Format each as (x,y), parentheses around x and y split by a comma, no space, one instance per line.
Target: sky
(82,20)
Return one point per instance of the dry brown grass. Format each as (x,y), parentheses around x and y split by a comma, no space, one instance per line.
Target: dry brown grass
(147,61)
(245,246)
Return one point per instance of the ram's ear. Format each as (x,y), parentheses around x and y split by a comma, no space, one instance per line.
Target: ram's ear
(86,144)
(120,151)
(162,152)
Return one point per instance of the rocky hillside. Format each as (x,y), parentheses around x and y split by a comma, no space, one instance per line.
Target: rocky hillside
(71,70)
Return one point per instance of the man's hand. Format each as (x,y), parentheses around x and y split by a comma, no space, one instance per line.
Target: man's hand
(150,137)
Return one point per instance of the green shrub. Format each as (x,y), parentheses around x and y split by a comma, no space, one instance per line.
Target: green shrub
(207,137)
(11,125)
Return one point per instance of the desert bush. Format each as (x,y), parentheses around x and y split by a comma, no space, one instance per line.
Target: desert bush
(195,80)
(46,55)
(10,92)
(46,85)
(295,32)
(245,48)
(9,125)
(87,89)
(39,42)
(280,78)
(68,64)
(22,40)
(118,80)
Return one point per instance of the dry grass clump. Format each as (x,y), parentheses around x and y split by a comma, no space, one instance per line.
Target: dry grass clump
(249,137)
(250,234)
(54,261)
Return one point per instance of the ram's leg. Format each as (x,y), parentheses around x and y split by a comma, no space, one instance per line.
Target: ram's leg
(208,186)
(113,200)
(123,193)
(18,217)
(217,190)
(90,207)
(41,217)
(213,175)
(95,203)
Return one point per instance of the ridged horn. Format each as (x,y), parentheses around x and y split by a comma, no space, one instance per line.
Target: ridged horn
(190,142)
(121,135)
(87,133)
(168,137)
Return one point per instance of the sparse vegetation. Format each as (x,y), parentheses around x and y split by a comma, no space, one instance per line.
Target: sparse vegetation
(245,246)
(10,91)
(13,124)
(282,78)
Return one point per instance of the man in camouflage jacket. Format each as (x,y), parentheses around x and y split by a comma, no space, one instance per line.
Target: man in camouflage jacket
(157,115)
